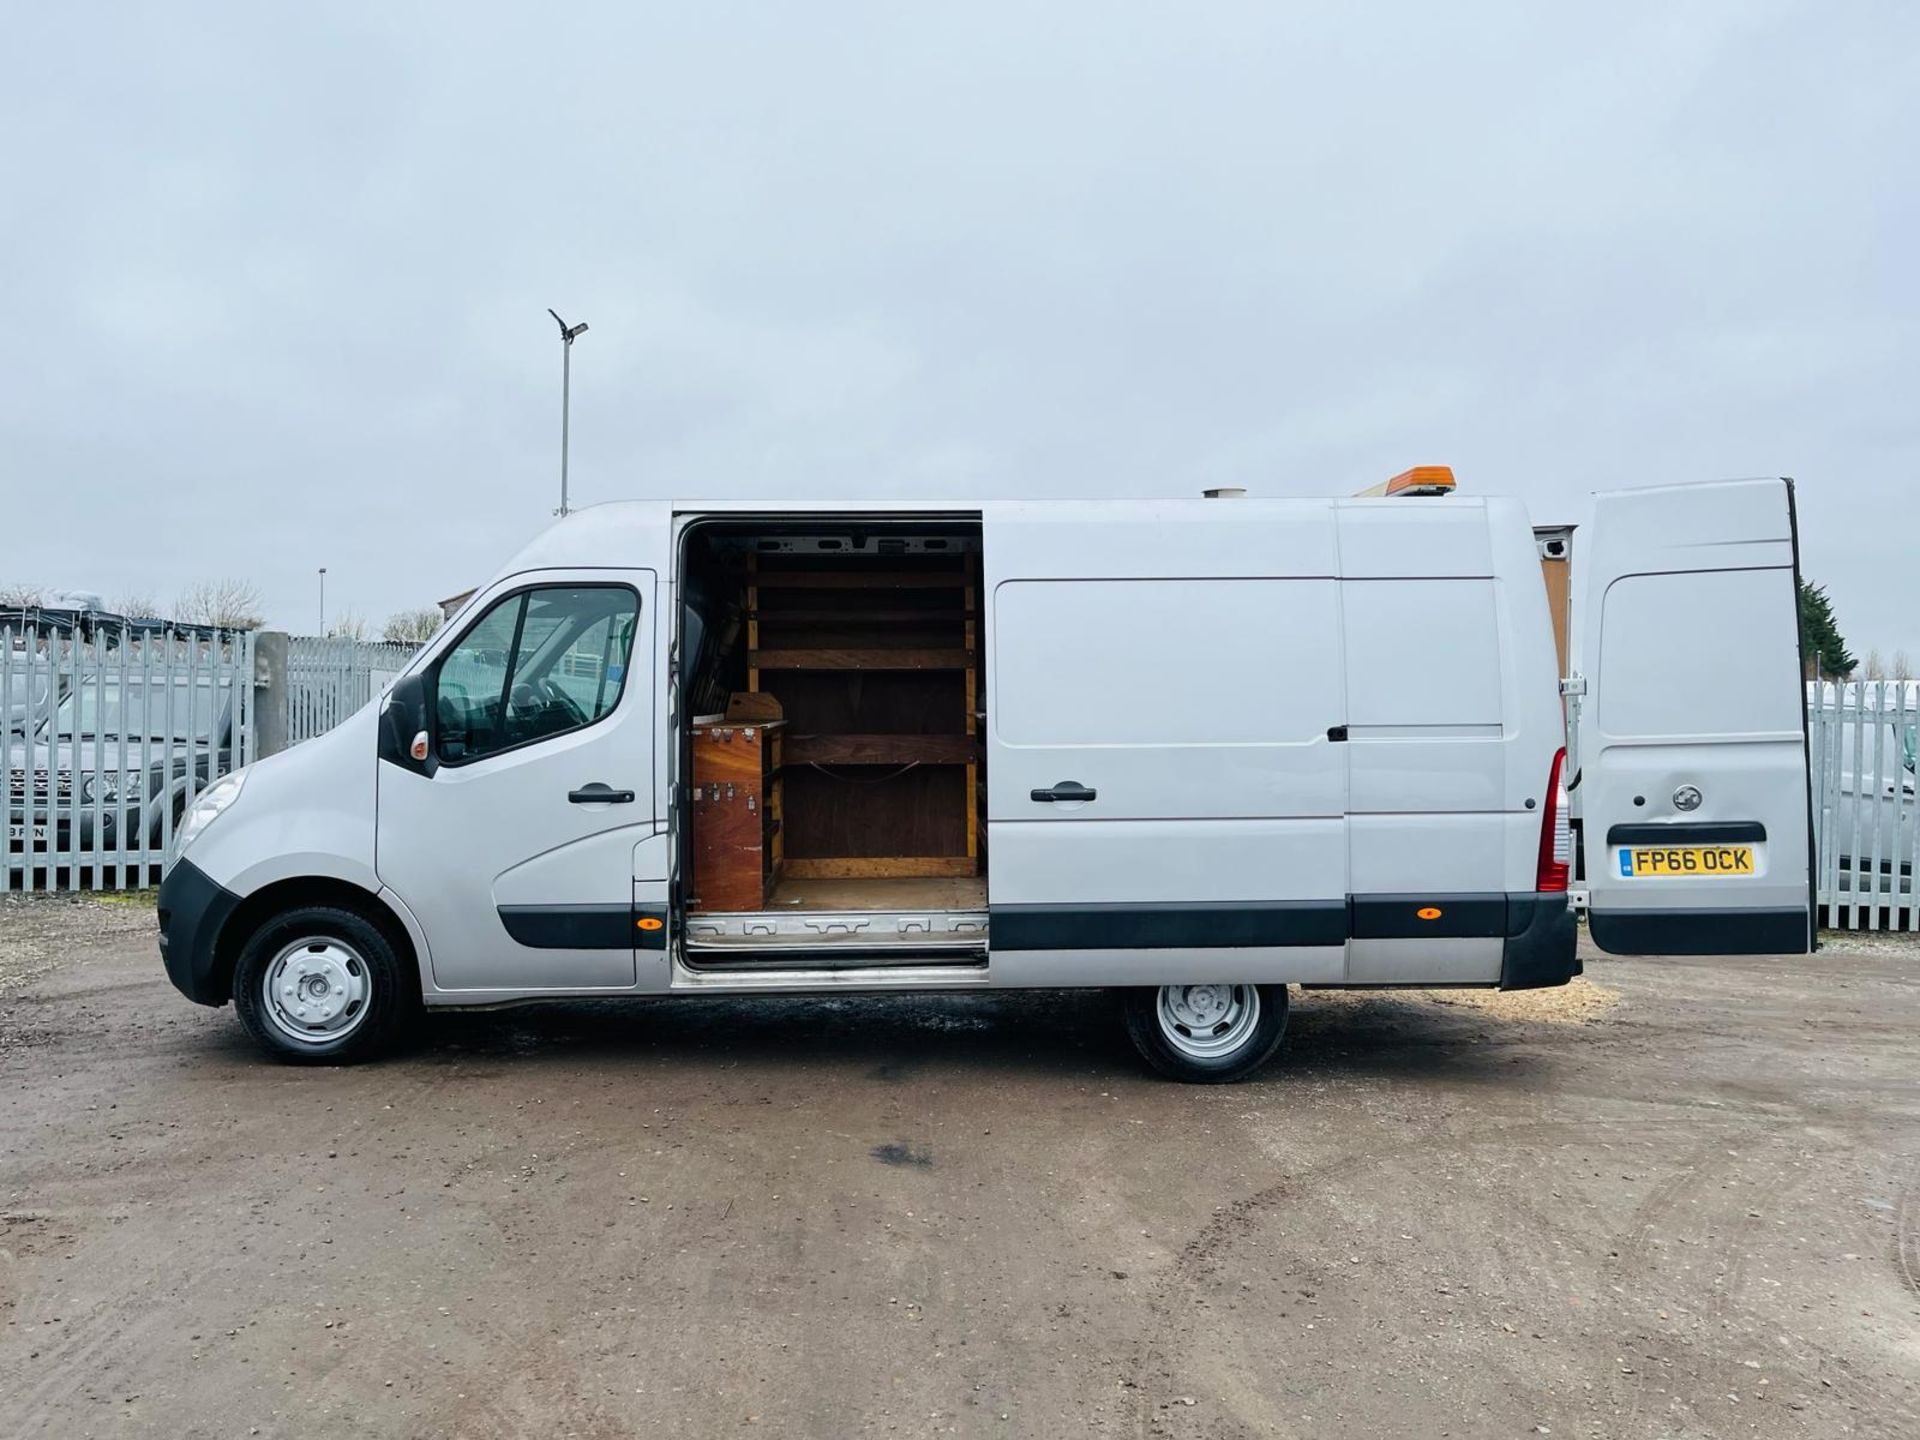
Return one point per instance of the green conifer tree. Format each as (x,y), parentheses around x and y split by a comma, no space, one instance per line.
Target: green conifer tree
(1820,640)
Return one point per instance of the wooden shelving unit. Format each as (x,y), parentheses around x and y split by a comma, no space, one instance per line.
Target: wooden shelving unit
(936,637)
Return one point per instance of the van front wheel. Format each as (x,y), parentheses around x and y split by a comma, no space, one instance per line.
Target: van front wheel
(1207,1034)
(321,985)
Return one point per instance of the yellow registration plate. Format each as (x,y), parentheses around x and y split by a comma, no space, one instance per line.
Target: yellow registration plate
(1694,860)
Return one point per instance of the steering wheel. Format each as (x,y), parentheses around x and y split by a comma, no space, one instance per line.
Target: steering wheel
(541,697)
(564,702)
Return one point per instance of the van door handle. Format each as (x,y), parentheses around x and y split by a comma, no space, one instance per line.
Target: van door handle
(598,794)
(1065,790)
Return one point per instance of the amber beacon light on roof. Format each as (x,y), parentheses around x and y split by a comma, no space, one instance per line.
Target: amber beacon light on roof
(1420,480)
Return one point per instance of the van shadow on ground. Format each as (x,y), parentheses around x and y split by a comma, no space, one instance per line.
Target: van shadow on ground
(899,1038)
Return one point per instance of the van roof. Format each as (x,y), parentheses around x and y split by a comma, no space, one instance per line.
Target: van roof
(584,538)
(613,509)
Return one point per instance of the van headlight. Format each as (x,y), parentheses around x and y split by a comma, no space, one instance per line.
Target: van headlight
(205,810)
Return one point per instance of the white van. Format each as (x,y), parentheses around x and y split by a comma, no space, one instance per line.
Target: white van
(1196,750)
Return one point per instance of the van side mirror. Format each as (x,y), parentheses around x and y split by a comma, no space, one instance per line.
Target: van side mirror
(404,717)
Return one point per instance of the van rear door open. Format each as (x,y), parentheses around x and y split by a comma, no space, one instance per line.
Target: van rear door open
(1692,734)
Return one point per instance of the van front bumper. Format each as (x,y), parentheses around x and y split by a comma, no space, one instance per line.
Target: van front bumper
(193,911)
(1542,947)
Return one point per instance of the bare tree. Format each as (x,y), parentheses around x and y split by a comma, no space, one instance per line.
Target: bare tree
(17,594)
(229,603)
(412,627)
(137,605)
(1900,667)
(1874,668)
(349,625)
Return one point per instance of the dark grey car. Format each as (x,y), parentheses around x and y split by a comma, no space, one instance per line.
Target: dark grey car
(117,759)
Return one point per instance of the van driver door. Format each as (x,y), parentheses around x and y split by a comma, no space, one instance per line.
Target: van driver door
(511,831)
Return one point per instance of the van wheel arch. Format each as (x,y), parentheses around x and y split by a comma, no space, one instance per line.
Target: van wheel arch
(265,903)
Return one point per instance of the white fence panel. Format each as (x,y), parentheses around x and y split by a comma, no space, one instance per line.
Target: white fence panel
(112,730)
(1862,738)
(330,678)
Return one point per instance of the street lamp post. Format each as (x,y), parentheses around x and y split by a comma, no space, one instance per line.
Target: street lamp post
(323,600)
(568,334)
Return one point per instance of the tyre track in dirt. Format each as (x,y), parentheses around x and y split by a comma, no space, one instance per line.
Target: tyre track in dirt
(70,1359)
(1715,1208)
(1707,1163)
(1906,1235)
(1152,1377)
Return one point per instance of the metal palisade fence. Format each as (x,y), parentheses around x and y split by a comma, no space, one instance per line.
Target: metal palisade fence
(329,678)
(112,729)
(1861,737)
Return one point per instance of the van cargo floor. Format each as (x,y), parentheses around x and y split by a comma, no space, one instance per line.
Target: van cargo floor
(968,893)
(881,918)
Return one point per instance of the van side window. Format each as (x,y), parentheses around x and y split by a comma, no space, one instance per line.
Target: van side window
(537,664)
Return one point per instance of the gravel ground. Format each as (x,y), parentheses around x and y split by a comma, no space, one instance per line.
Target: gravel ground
(1678,1199)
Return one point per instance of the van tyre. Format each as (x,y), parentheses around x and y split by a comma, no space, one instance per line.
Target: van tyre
(1207,1034)
(320,985)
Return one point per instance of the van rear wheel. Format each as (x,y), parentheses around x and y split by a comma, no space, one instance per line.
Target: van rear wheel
(1207,1034)
(319,985)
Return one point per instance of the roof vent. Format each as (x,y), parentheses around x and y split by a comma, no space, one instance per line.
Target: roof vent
(1226,492)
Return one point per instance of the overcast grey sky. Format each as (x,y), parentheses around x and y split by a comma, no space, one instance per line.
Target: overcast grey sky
(276,277)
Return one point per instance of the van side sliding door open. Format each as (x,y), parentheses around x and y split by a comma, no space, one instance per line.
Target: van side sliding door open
(1692,746)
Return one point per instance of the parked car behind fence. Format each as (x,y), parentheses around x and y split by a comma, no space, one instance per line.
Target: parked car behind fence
(145,719)
(1865,740)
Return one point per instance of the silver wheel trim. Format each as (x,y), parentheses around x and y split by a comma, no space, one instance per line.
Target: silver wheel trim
(1207,1022)
(316,990)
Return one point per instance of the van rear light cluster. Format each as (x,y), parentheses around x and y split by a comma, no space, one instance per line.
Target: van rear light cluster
(1556,834)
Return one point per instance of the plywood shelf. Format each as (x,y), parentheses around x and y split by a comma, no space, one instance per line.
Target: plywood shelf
(953,615)
(881,750)
(861,580)
(878,867)
(838,659)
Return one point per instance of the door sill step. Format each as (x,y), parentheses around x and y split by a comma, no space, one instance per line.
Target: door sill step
(785,958)
(897,936)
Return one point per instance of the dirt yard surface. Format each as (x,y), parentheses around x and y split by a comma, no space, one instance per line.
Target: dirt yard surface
(1680,1199)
